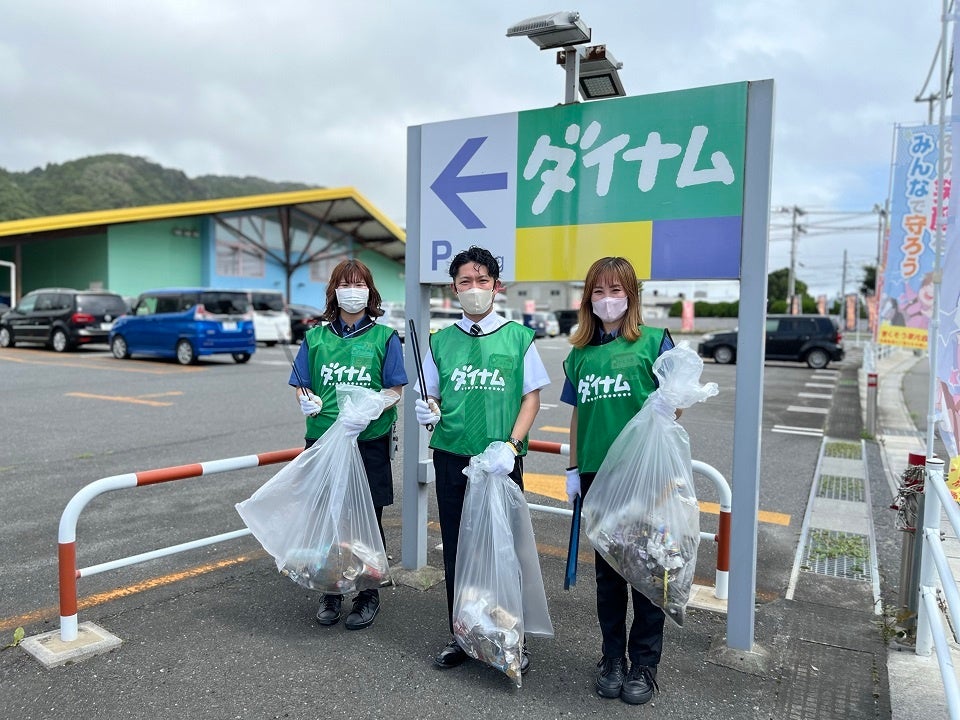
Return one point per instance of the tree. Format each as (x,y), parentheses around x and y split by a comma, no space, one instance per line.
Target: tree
(778,283)
(869,284)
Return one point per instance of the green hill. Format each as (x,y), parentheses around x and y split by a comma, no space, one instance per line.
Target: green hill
(105,182)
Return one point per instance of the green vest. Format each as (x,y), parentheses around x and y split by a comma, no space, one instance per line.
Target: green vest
(356,360)
(612,381)
(481,386)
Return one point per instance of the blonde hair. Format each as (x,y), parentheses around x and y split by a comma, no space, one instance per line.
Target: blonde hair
(609,270)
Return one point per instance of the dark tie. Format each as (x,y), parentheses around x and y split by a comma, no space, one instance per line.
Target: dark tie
(475,330)
(605,337)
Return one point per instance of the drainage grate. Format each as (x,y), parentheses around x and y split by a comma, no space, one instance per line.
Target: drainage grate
(842,450)
(838,554)
(835,487)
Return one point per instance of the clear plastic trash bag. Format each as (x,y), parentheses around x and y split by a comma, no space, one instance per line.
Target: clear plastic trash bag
(498,594)
(641,511)
(316,516)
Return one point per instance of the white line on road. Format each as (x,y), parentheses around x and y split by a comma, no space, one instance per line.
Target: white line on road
(817,396)
(820,385)
(789,430)
(802,408)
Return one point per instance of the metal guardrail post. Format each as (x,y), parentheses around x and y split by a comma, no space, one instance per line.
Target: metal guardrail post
(932,508)
(872,404)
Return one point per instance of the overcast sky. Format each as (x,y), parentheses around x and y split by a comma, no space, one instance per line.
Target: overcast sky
(322,92)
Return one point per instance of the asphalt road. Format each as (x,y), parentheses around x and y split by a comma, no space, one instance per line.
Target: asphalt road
(71,419)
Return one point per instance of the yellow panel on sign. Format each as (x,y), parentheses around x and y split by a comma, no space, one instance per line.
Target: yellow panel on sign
(566,252)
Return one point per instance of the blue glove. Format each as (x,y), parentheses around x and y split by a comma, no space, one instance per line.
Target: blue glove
(573,484)
(310,404)
(503,459)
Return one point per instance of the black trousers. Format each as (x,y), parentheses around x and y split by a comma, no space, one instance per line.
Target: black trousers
(645,642)
(451,488)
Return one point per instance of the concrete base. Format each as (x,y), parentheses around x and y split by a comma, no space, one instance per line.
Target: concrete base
(421,579)
(752,662)
(52,652)
(702,598)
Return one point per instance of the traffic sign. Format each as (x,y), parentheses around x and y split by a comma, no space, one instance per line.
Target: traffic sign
(655,178)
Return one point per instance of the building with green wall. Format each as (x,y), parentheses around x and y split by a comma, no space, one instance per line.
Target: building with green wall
(287,241)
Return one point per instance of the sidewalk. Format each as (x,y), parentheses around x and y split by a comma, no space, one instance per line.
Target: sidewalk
(916,688)
(239,643)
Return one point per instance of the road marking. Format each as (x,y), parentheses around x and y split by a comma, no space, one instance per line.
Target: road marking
(555,486)
(553,429)
(803,408)
(104,597)
(551,406)
(815,396)
(121,398)
(791,430)
(821,385)
(113,367)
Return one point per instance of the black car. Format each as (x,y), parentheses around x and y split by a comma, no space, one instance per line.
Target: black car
(813,339)
(566,319)
(302,318)
(61,318)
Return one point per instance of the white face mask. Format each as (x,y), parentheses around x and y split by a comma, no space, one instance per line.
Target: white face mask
(352,300)
(476,301)
(610,309)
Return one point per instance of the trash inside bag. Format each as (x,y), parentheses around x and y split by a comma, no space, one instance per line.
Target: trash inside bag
(498,591)
(641,512)
(316,516)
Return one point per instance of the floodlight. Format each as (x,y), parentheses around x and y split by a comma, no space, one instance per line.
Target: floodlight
(597,77)
(559,29)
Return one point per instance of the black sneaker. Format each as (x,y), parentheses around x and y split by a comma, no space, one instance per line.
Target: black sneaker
(611,675)
(524,661)
(329,612)
(365,608)
(451,655)
(639,685)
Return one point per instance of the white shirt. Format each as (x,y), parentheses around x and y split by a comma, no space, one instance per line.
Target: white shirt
(534,373)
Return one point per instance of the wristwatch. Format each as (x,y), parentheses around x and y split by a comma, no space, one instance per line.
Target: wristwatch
(517,444)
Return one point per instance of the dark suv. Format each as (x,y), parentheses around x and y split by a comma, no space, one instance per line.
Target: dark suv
(61,318)
(813,339)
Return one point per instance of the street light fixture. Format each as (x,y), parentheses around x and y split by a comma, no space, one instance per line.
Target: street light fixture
(598,76)
(592,70)
(553,30)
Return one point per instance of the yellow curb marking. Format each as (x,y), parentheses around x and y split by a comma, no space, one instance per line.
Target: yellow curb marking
(555,486)
(120,398)
(100,598)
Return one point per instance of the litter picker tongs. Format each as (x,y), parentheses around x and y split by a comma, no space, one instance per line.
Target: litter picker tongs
(416,352)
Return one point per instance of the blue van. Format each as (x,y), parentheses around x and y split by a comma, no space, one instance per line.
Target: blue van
(185,323)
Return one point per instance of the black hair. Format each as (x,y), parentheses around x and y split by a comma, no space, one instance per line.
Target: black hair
(478,256)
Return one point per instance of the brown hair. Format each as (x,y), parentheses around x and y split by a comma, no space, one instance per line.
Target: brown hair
(609,270)
(351,271)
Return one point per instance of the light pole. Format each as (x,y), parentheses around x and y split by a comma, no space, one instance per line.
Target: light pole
(795,229)
(591,70)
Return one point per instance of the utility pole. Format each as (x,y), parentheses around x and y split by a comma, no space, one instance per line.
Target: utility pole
(843,291)
(795,230)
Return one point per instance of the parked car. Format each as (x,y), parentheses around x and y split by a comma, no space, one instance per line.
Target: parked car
(566,319)
(443,317)
(271,321)
(302,318)
(186,323)
(813,339)
(395,317)
(543,324)
(61,318)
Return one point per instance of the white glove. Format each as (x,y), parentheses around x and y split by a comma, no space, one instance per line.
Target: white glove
(573,484)
(662,407)
(427,414)
(354,426)
(503,459)
(309,403)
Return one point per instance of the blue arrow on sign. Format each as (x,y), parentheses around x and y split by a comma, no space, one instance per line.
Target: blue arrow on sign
(450,184)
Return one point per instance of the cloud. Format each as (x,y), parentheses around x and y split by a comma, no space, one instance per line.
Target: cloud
(323,93)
